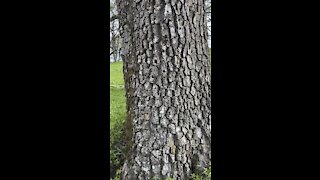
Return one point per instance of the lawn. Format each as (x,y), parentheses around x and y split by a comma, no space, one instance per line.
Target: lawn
(117,94)
(116,74)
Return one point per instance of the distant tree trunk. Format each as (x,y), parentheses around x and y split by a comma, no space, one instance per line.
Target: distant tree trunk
(114,47)
(168,85)
(114,43)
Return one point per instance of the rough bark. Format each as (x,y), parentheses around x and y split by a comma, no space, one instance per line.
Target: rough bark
(168,85)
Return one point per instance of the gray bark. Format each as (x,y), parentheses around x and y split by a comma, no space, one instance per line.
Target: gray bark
(168,87)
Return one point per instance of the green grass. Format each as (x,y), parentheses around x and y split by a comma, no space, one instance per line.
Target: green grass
(117,105)
(116,74)
(117,94)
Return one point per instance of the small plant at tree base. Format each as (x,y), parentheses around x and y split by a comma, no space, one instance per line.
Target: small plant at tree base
(118,175)
(117,149)
(195,176)
(205,175)
(169,178)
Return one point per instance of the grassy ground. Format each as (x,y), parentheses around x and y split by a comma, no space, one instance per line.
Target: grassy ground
(116,74)
(117,94)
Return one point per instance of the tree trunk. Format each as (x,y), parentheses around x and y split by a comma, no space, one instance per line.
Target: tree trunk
(168,86)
